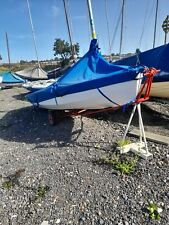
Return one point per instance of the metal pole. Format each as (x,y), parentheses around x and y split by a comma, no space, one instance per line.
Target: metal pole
(165,39)
(91,19)
(129,122)
(121,34)
(108,30)
(155,24)
(7,45)
(68,27)
(33,32)
(142,127)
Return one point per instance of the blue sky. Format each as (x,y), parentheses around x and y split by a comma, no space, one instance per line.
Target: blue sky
(49,23)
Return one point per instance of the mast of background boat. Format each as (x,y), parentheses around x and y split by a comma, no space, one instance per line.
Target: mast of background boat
(7,45)
(155,23)
(69,30)
(33,33)
(121,33)
(93,32)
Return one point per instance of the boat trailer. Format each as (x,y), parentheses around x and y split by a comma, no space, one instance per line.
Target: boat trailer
(140,148)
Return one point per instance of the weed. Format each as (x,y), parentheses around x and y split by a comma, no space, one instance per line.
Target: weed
(12,179)
(125,165)
(154,211)
(122,143)
(8,184)
(42,190)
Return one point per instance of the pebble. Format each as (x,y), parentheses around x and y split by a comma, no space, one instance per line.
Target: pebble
(58,221)
(101,221)
(45,223)
(54,157)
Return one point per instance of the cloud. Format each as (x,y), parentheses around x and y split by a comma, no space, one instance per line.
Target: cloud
(55,10)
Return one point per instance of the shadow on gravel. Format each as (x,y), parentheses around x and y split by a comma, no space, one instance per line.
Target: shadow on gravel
(31,126)
(150,117)
(20,96)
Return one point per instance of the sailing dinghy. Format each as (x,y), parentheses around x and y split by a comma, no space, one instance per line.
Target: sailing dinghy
(91,83)
(33,86)
(8,79)
(33,73)
(158,58)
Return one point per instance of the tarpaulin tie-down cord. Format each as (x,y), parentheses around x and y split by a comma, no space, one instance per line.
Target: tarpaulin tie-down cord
(107,97)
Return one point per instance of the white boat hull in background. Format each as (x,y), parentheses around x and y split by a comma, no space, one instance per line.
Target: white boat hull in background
(116,95)
(38,85)
(160,89)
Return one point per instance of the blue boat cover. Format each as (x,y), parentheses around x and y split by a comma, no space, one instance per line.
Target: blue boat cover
(157,58)
(92,71)
(8,77)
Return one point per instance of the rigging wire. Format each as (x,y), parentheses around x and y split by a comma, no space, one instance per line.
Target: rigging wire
(71,30)
(108,30)
(115,30)
(146,21)
(68,26)
(159,33)
(155,23)
(88,25)
(33,32)
(122,22)
(8,51)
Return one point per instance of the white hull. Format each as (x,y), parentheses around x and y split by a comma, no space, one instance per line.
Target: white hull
(37,85)
(160,89)
(120,94)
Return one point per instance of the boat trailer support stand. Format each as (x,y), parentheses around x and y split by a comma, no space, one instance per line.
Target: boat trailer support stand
(140,148)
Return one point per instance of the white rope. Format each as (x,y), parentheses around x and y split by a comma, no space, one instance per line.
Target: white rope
(33,32)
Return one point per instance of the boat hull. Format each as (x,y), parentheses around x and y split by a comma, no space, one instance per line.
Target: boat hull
(109,96)
(10,85)
(160,89)
(33,86)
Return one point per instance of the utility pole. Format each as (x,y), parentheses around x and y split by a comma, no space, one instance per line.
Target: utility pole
(155,23)
(165,27)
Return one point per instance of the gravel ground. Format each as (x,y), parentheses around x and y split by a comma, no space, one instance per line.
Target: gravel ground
(57,178)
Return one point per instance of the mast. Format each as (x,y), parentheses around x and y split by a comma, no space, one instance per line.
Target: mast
(93,32)
(33,33)
(69,30)
(122,22)
(7,45)
(155,24)
(108,30)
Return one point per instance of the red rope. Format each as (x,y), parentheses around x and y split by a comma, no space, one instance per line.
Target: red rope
(144,93)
